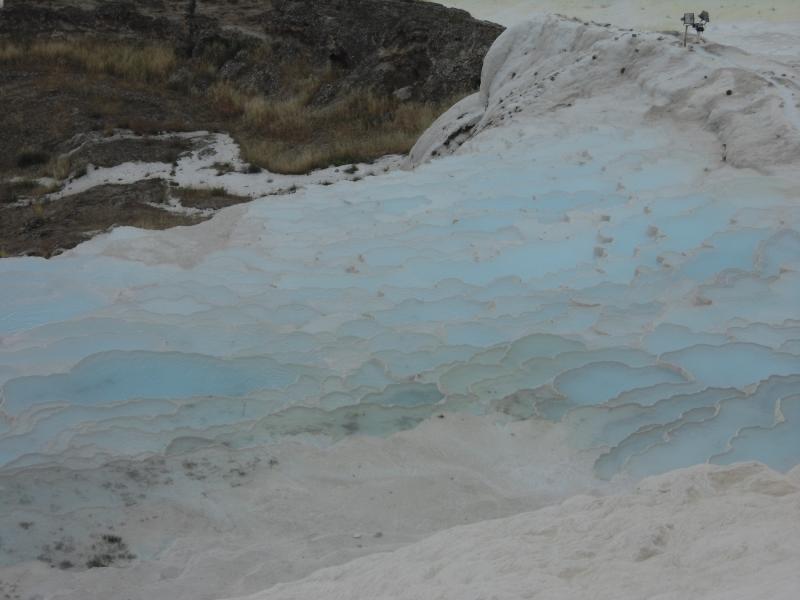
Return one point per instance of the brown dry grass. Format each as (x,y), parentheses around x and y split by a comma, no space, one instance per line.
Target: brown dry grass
(136,62)
(215,198)
(285,133)
(292,136)
(158,220)
(61,167)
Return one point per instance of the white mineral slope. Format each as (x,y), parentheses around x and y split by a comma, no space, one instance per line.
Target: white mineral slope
(701,533)
(279,514)
(749,102)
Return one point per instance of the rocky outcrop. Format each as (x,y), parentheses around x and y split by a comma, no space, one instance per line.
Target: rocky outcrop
(410,48)
(414,49)
(25,19)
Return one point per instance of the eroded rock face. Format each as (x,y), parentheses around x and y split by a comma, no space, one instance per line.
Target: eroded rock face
(117,18)
(417,50)
(407,47)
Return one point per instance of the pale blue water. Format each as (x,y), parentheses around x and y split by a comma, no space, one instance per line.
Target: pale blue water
(366,309)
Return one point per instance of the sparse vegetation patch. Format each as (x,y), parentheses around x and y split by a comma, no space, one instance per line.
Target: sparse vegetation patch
(148,62)
(46,228)
(285,129)
(214,198)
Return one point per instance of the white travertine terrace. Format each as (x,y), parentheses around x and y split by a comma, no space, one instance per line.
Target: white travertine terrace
(587,290)
(748,102)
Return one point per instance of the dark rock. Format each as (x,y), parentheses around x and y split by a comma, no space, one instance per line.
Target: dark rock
(427,50)
(386,45)
(118,18)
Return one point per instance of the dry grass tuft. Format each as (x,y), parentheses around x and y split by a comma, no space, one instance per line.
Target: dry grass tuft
(157,220)
(287,137)
(61,167)
(294,136)
(136,62)
(202,198)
